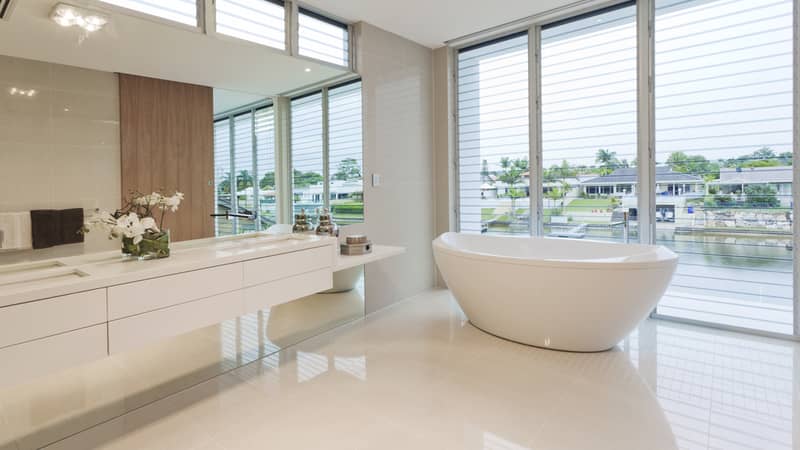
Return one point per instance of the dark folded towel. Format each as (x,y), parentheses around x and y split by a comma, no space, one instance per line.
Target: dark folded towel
(71,224)
(51,227)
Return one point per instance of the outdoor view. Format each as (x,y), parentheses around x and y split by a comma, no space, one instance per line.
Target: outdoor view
(723,146)
(244,144)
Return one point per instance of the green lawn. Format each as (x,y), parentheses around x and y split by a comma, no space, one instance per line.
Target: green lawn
(582,204)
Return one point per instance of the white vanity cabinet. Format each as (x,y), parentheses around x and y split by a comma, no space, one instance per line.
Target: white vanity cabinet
(52,334)
(119,306)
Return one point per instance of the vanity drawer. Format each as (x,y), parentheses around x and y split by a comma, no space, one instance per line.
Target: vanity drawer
(273,268)
(23,362)
(148,295)
(287,289)
(39,319)
(132,332)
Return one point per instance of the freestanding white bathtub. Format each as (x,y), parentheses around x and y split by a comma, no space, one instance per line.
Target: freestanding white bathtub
(562,294)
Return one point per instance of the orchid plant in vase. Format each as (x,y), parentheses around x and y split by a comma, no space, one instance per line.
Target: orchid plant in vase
(143,235)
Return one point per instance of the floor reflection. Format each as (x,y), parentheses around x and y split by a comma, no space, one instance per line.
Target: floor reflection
(51,408)
(418,375)
(718,389)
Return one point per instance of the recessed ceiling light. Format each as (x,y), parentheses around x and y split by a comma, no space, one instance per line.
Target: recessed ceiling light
(71,16)
(308,69)
(22,92)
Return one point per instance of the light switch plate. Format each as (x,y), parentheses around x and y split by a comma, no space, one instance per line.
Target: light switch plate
(376,179)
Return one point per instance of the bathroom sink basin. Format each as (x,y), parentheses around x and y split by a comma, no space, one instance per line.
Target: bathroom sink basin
(18,269)
(38,276)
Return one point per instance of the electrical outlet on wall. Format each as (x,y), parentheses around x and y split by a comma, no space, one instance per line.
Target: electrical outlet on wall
(376,179)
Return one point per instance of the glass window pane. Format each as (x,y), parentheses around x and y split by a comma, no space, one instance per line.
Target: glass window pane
(306,146)
(182,11)
(222,177)
(265,166)
(244,169)
(589,125)
(346,155)
(724,126)
(323,39)
(259,21)
(493,137)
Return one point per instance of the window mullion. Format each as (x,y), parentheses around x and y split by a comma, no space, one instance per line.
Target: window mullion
(233,179)
(796,173)
(256,179)
(534,130)
(646,211)
(326,173)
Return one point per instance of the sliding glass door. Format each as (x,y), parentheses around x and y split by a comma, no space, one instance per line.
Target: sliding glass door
(588,96)
(724,124)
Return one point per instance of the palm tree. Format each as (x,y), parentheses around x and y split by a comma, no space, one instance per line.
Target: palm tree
(608,161)
(512,174)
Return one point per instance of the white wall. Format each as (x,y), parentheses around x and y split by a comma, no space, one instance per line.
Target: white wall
(59,148)
(398,145)
(444,153)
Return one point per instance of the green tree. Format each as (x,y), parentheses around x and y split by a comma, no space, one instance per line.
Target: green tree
(511,174)
(303,179)
(693,164)
(349,169)
(267,181)
(607,160)
(761,196)
(244,180)
(224,186)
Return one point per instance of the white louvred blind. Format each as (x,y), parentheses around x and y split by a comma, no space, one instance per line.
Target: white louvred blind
(259,21)
(243,167)
(345,148)
(724,96)
(322,38)
(493,133)
(589,124)
(222,176)
(265,165)
(181,11)
(306,154)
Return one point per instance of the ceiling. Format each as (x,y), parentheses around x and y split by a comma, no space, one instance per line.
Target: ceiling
(225,100)
(432,22)
(138,46)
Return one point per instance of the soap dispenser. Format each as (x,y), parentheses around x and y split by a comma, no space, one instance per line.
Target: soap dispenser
(326,225)
(301,224)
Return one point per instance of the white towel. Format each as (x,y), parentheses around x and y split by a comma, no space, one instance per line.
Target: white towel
(16,230)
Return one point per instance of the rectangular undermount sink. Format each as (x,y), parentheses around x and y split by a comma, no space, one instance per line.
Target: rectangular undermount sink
(17,269)
(42,277)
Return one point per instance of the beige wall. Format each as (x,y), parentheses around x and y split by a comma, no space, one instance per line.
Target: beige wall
(444,153)
(398,138)
(59,148)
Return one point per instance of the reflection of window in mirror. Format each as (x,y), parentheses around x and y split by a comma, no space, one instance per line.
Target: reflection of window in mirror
(329,121)
(244,163)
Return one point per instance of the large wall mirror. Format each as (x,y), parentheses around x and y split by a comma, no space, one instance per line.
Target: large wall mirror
(176,103)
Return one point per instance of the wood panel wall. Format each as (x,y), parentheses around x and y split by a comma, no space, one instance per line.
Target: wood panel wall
(167,142)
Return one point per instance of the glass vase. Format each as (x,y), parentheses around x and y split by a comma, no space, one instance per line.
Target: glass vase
(152,246)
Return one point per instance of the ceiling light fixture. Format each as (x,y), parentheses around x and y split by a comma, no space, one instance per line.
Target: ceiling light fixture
(308,69)
(22,92)
(71,16)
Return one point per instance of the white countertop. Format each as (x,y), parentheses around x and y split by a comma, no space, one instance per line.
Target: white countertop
(62,276)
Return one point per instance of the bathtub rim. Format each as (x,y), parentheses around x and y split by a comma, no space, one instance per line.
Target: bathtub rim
(664,256)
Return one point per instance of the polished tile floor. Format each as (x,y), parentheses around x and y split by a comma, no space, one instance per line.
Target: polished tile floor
(419,376)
